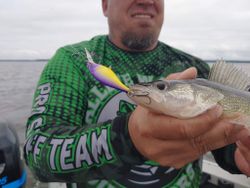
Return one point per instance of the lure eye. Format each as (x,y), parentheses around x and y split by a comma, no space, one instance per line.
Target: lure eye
(161,85)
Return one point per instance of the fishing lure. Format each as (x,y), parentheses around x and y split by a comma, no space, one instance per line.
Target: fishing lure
(104,74)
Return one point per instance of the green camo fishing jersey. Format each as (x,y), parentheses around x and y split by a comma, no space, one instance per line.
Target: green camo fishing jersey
(77,131)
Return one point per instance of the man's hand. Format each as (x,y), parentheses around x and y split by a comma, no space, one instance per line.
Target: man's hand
(190,73)
(174,142)
(242,153)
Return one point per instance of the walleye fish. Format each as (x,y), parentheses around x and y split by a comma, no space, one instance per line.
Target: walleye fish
(226,85)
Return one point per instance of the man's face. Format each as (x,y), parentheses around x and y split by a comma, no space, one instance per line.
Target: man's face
(134,24)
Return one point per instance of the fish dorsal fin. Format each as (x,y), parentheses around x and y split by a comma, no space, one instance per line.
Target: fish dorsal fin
(230,75)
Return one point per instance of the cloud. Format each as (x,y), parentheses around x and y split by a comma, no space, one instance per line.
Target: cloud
(208,29)
(211,29)
(44,26)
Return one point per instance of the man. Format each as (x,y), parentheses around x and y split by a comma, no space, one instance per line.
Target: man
(89,135)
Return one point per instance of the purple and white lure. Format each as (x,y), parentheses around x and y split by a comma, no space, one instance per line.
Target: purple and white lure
(104,74)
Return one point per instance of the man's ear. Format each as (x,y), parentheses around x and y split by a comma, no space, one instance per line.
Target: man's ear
(105,7)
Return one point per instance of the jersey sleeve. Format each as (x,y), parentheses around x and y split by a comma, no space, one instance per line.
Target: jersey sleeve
(60,146)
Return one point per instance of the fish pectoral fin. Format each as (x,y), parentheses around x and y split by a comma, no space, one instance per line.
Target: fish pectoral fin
(241,120)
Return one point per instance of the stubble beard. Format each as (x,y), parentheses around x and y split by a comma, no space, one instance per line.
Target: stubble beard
(138,41)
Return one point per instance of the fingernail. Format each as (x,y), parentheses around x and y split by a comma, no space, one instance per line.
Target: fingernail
(218,110)
(239,144)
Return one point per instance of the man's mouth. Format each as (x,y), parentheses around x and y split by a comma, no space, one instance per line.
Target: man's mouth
(142,15)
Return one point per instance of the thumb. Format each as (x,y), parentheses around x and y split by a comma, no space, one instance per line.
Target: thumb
(189,73)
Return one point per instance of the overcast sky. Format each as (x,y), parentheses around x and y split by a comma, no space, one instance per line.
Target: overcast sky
(208,29)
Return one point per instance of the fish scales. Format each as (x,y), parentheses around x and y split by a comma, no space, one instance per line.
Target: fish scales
(234,100)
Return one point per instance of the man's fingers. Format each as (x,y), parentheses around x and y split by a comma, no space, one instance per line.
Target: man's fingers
(244,150)
(163,126)
(167,152)
(222,134)
(189,73)
(242,163)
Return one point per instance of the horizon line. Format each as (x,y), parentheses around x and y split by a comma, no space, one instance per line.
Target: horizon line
(45,59)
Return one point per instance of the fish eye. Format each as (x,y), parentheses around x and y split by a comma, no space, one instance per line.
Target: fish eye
(161,85)
(248,88)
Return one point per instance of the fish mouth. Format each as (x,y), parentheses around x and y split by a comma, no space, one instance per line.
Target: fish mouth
(139,95)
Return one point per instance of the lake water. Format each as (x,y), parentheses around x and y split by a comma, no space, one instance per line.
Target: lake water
(17,85)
